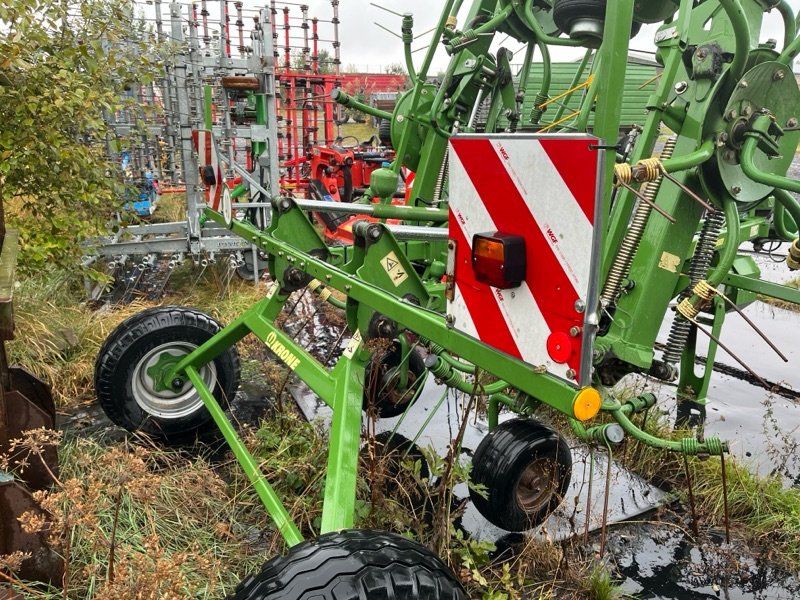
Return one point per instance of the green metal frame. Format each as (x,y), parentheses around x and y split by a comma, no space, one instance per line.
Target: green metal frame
(690,97)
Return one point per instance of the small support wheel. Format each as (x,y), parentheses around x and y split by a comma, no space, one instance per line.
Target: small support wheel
(350,565)
(525,467)
(393,380)
(390,480)
(247,271)
(133,360)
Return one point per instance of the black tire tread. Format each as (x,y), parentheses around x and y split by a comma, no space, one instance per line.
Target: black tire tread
(113,351)
(354,564)
(496,461)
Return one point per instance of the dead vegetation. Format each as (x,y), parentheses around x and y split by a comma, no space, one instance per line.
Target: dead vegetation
(138,521)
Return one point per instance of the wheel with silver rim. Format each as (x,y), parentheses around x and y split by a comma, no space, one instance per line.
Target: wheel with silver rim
(132,374)
(227,205)
(525,469)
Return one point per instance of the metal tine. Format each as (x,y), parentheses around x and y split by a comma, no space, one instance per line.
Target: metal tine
(652,204)
(386,29)
(687,190)
(386,9)
(763,336)
(729,351)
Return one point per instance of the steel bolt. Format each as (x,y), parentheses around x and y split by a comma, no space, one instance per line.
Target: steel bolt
(575,331)
(681,87)
(731,114)
(580,305)
(735,189)
(571,374)
(792,122)
(743,84)
(778,75)
(747,110)
(177,383)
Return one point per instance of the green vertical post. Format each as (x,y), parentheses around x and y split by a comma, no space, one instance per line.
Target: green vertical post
(611,85)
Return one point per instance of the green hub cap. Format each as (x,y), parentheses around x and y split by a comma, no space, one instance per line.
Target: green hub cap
(161,393)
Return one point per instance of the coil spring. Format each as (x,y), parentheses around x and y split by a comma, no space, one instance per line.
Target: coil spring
(437,190)
(633,237)
(537,111)
(701,261)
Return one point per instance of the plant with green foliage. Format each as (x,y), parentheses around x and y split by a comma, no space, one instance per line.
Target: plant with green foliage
(67,65)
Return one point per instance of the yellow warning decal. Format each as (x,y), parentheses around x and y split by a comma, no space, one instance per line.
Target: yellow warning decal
(394,269)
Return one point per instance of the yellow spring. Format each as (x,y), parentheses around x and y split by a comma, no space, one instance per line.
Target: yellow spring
(652,168)
(623,173)
(687,309)
(704,290)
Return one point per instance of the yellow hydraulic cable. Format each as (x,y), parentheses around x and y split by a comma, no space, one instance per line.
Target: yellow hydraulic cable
(561,120)
(569,91)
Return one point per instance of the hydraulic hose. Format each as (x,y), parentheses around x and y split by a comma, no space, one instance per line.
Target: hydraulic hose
(789,203)
(541,37)
(407,30)
(789,25)
(544,90)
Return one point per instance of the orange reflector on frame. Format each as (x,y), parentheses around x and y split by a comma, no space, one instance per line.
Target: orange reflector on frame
(586,404)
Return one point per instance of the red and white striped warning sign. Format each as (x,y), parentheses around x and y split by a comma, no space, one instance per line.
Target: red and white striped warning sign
(544,189)
(208,162)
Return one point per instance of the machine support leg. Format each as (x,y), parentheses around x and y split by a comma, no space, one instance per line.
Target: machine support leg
(340,481)
(266,493)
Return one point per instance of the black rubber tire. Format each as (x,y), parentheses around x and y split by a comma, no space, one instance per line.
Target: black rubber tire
(120,360)
(387,400)
(567,11)
(247,270)
(393,481)
(354,564)
(385,133)
(499,463)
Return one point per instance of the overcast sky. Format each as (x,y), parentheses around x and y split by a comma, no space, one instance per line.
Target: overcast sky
(364,43)
(368,47)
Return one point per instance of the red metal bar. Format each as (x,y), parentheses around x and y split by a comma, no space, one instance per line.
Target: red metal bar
(204,12)
(296,152)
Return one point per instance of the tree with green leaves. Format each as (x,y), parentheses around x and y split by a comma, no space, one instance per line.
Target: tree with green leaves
(67,65)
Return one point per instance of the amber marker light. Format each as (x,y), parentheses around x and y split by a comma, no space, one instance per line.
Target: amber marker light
(498,259)
(586,404)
